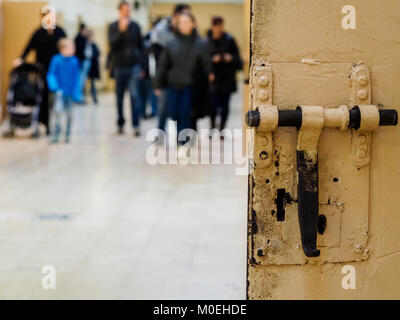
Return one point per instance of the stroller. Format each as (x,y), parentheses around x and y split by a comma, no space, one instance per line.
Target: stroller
(24,98)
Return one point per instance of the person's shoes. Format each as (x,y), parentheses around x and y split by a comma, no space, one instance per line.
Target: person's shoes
(54,140)
(67,140)
(136,132)
(35,134)
(149,116)
(120,130)
(8,134)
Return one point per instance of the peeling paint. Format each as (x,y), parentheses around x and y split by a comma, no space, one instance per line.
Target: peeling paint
(360,204)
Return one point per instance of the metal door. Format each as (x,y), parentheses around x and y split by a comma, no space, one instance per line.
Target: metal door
(334,66)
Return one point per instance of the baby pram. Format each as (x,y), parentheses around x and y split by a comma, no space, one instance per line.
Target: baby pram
(24,98)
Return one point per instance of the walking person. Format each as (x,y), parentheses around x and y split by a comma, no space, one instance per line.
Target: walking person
(164,32)
(225,63)
(63,80)
(180,58)
(94,72)
(44,43)
(127,58)
(84,53)
(145,89)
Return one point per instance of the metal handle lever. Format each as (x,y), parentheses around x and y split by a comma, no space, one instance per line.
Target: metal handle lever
(307,119)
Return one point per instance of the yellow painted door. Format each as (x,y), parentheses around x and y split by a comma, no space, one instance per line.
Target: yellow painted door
(322,72)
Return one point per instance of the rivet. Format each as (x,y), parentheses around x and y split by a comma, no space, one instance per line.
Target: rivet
(363,81)
(263,95)
(361,154)
(362,139)
(264,81)
(362,94)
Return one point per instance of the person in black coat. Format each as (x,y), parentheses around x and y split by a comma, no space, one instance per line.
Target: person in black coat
(126,61)
(80,43)
(225,63)
(182,59)
(44,43)
(94,72)
(84,53)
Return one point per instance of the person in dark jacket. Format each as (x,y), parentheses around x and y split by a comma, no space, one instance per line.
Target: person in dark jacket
(94,72)
(145,89)
(84,53)
(44,43)
(80,42)
(225,63)
(127,58)
(179,60)
(163,32)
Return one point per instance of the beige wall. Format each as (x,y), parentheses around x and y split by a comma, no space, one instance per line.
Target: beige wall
(283,33)
(18,23)
(233,14)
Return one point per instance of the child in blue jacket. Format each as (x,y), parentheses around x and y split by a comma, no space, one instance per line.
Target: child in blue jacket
(63,79)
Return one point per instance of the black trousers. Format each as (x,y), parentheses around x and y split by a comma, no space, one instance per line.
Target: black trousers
(44,113)
(219,106)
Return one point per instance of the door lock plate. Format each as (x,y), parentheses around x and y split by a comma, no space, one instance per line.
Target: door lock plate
(343,187)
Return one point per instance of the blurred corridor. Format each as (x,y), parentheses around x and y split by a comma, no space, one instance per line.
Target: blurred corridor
(114,226)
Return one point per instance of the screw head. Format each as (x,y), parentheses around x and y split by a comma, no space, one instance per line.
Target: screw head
(263,81)
(263,95)
(361,154)
(362,139)
(363,81)
(362,94)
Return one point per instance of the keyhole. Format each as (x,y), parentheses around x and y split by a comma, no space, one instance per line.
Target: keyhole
(280,204)
(322,224)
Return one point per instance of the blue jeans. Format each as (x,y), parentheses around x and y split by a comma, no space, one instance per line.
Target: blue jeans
(179,103)
(162,110)
(93,90)
(85,68)
(146,94)
(128,78)
(63,106)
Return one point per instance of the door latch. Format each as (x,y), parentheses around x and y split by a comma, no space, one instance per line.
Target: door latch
(310,121)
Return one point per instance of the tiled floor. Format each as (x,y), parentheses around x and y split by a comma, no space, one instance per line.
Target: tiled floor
(113,226)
